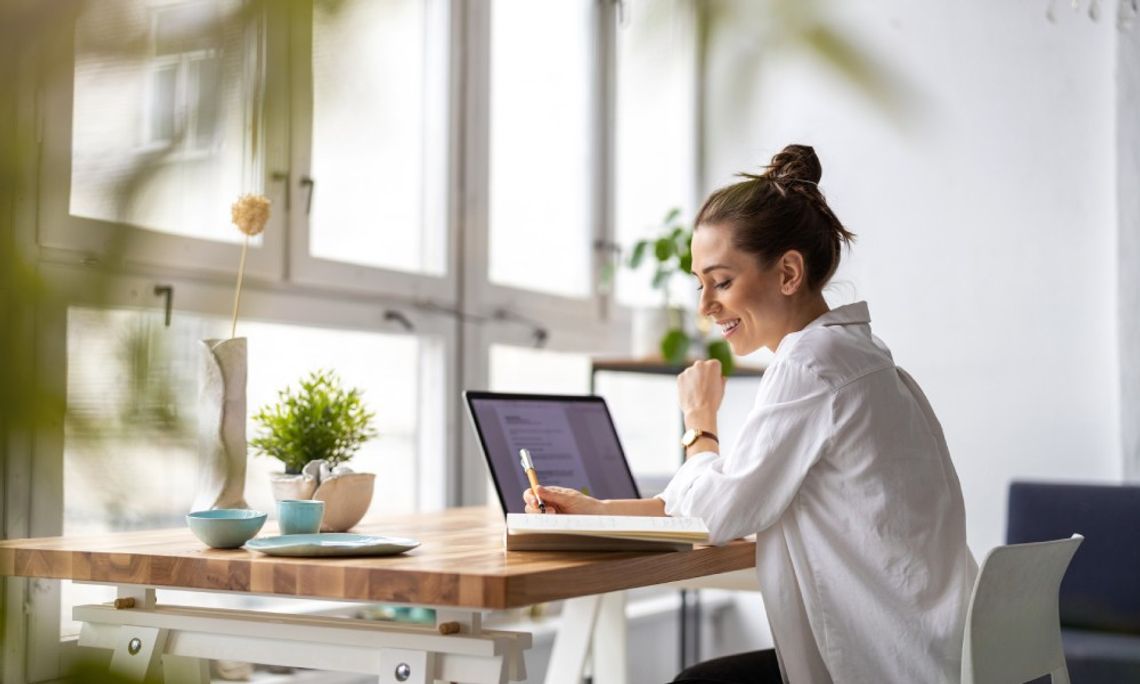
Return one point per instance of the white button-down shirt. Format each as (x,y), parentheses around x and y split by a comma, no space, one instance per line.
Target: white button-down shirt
(842,472)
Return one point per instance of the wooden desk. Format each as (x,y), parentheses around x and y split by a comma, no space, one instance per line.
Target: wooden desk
(461,569)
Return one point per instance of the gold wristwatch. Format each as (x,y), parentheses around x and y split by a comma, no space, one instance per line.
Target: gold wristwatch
(692,434)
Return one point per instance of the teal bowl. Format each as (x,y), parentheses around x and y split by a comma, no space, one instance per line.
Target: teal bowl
(225,528)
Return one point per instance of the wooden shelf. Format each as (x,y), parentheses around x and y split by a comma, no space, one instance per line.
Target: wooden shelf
(659,366)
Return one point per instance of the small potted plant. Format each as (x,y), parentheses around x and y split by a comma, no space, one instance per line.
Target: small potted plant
(313,431)
(671,254)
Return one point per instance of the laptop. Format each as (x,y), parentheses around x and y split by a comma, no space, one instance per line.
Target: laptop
(572,441)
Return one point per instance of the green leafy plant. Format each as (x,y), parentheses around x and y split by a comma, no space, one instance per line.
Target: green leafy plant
(671,254)
(321,420)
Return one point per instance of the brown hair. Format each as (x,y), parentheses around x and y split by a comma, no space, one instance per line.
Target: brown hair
(779,210)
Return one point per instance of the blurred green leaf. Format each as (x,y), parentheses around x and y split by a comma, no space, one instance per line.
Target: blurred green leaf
(661,277)
(663,248)
(719,350)
(686,263)
(638,254)
(675,346)
(851,62)
(672,216)
(606,282)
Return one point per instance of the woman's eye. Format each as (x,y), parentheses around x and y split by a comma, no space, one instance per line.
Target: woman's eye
(723,285)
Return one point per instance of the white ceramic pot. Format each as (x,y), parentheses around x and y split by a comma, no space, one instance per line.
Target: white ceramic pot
(346,498)
(292,486)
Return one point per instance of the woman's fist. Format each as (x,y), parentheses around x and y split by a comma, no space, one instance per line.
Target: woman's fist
(700,388)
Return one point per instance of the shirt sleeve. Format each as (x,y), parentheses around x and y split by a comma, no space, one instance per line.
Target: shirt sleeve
(747,490)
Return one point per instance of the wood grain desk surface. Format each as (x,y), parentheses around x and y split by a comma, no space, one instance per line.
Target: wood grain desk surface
(461,563)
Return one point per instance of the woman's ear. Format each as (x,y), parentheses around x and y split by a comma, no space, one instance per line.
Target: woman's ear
(792,272)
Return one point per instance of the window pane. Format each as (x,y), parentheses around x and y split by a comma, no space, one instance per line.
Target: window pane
(541,100)
(655,152)
(168,117)
(538,371)
(379,133)
(130,454)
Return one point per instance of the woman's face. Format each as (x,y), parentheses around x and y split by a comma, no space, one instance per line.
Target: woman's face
(744,299)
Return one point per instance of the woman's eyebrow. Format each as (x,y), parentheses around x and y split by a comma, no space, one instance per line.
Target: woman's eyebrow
(714,267)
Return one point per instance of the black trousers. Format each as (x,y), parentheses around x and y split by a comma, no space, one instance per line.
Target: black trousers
(754,667)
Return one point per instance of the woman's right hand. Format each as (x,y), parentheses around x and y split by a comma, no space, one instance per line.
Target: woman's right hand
(563,500)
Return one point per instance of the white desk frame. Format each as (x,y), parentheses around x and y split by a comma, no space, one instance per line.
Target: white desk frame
(152,643)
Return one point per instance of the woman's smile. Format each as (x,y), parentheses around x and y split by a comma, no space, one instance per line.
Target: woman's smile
(728,326)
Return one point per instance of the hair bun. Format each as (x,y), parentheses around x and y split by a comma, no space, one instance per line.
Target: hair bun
(795,161)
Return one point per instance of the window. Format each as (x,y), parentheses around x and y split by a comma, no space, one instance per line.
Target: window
(379,134)
(542,159)
(131,440)
(130,445)
(170,124)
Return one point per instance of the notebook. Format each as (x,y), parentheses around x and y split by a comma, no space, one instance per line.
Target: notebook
(531,532)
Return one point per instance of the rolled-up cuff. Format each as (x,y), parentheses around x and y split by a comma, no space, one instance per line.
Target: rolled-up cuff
(683,481)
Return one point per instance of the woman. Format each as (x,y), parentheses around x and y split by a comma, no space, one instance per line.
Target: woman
(841,469)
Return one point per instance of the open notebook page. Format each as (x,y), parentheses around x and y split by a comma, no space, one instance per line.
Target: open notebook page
(628,526)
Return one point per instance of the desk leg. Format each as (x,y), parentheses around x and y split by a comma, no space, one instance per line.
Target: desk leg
(572,643)
(610,650)
(590,625)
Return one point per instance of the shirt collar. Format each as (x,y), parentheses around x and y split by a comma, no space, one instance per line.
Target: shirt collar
(851,314)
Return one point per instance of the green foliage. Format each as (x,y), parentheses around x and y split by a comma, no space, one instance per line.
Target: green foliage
(672,255)
(320,420)
(719,350)
(671,252)
(675,346)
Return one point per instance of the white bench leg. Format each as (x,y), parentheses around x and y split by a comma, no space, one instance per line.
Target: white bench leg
(138,652)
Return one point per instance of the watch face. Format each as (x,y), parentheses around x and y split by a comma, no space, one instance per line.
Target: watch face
(689,437)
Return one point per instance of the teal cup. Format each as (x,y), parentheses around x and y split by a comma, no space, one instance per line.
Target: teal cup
(300,516)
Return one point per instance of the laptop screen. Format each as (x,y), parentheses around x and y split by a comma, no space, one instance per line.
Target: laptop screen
(571,439)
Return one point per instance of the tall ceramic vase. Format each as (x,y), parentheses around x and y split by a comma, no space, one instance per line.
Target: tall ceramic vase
(221,424)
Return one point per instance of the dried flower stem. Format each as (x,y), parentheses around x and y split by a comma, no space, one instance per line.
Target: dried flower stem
(237,290)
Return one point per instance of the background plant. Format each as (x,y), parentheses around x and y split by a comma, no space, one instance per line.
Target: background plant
(320,420)
(672,255)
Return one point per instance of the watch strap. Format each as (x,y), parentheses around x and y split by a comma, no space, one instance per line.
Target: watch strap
(693,434)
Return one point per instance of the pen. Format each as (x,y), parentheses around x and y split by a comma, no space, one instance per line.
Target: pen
(528,467)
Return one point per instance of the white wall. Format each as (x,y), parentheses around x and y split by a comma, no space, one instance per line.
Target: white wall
(987,223)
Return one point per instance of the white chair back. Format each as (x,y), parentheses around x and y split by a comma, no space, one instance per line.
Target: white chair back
(1013,630)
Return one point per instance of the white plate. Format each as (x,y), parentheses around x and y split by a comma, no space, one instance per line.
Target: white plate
(331,544)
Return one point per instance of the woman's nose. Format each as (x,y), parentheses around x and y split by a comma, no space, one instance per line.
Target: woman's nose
(707,304)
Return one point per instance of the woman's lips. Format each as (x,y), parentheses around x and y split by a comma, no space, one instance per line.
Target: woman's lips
(728,327)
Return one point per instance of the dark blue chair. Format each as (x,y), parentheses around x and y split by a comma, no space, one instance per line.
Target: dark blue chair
(1100,595)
